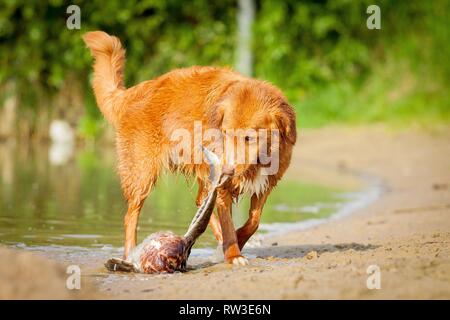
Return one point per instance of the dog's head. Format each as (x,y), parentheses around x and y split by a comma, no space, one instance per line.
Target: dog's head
(257,124)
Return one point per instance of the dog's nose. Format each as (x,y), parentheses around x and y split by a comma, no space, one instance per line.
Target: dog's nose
(228,170)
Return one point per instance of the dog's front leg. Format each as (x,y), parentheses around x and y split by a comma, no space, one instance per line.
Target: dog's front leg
(249,228)
(231,250)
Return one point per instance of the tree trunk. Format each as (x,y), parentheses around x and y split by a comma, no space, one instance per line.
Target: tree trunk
(246,16)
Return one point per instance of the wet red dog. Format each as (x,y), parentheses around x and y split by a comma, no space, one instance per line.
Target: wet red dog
(147,115)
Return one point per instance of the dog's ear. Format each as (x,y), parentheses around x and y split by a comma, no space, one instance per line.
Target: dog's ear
(285,122)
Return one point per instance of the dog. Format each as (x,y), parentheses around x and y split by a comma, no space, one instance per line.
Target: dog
(147,115)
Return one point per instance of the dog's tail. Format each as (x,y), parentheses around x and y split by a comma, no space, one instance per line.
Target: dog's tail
(109,64)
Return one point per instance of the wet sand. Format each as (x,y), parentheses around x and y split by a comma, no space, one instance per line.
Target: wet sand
(24,275)
(405,233)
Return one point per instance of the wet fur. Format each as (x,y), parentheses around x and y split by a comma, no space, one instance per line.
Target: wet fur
(145,116)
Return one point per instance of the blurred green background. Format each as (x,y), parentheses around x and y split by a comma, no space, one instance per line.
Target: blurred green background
(330,65)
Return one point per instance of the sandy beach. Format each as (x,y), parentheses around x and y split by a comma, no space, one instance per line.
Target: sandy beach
(405,232)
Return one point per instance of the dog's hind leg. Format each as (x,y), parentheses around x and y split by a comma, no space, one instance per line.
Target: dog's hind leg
(249,228)
(136,188)
(213,221)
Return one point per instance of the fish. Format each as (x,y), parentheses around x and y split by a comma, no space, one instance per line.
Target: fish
(165,251)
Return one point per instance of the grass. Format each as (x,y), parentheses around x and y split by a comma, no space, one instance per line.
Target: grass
(392,94)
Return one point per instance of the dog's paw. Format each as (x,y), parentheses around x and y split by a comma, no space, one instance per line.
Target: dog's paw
(239,261)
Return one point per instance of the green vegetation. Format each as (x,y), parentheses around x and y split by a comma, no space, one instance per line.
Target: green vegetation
(332,68)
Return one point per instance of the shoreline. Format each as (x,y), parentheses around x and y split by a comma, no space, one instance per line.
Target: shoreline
(358,200)
(405,232)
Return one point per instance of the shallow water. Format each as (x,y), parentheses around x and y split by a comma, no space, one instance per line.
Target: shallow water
(70,207)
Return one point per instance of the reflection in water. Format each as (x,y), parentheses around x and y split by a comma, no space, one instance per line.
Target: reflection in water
(6,163)
(63,141)
(60,153)
(79,203)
